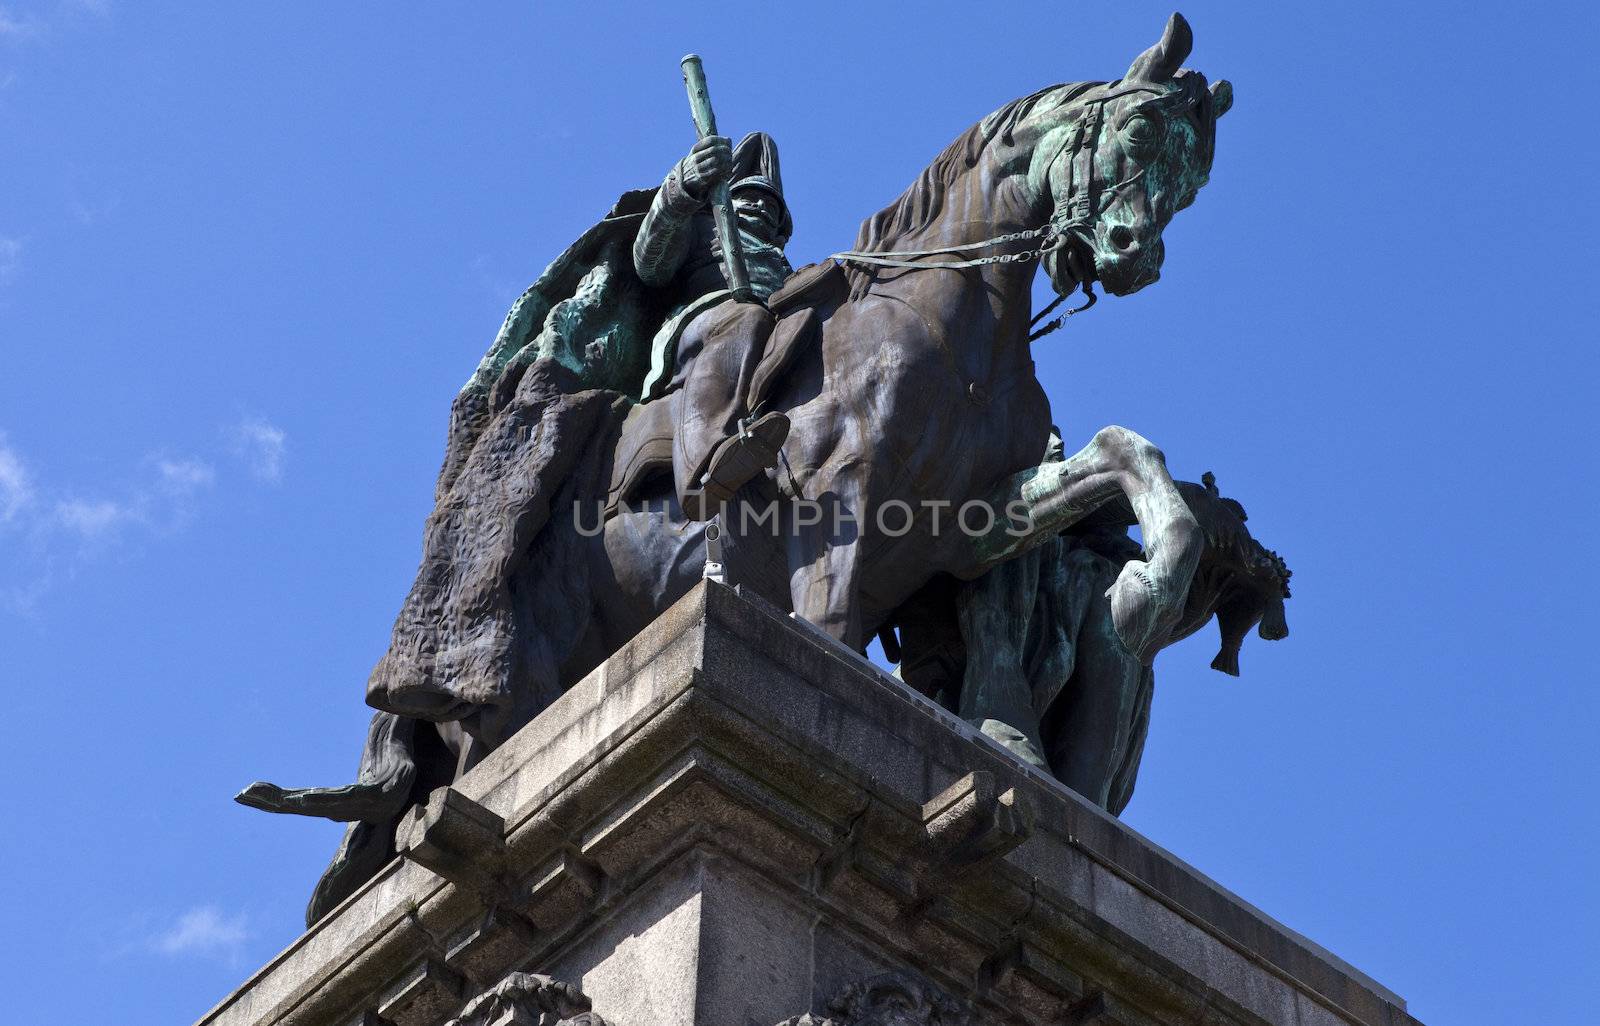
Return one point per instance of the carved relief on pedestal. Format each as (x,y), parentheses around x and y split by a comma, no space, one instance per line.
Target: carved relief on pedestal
(891,999)
(528,999)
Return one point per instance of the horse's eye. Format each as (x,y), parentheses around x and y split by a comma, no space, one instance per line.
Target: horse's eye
(1142,136)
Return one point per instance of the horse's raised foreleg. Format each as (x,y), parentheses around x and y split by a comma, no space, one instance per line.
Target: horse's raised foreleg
(1147,598)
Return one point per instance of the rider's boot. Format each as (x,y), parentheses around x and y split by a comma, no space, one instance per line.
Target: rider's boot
(735,461)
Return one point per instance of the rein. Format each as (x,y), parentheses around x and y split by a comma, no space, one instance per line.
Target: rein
(1090,299)
(1050,233)
(1078,221)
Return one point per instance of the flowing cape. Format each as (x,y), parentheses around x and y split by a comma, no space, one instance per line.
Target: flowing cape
(588,311)
(531,434)
(532,437)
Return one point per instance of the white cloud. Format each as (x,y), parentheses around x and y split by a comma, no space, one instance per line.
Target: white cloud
(23,599)
(16,486)
(183,477)
(162,508)
(11,26)
(203,931)
(264,446)
(50,531)
(19,27)
(91,202)
(179,481)
(93,520)
(10,254)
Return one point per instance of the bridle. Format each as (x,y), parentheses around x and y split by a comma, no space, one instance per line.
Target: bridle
(1085,202)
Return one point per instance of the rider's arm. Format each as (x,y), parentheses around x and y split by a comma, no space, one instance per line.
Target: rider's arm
(663,240)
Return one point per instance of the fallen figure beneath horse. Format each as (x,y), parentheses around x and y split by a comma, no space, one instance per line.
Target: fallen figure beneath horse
(1030,654)
(559,528)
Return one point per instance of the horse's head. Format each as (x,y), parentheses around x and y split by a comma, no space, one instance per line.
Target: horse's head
(1131,154)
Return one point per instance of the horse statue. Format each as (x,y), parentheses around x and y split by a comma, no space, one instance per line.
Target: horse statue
(903,366)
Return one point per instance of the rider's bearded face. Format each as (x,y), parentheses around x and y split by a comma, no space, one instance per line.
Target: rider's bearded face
(760,214)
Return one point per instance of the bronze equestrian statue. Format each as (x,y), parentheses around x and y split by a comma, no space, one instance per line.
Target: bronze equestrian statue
(632,398)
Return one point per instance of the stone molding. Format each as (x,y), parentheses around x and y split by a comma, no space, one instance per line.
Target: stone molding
(732,820)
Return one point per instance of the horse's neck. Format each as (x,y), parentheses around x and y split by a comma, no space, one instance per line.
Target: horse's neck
(978,205)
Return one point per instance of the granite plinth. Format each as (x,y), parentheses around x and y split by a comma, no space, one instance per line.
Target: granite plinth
(735,822)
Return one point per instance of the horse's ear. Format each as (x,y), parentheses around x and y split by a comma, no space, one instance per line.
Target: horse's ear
(1221,97)
(1161,62)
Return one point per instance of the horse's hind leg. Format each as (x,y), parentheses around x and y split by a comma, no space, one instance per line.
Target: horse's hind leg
(822,537)
(1147,597)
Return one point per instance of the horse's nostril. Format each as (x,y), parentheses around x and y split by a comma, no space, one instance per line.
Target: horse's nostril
(1121,236)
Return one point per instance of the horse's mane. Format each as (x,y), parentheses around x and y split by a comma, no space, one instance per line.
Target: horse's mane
(924,199)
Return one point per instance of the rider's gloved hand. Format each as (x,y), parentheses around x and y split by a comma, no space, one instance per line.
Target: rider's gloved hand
(710,162)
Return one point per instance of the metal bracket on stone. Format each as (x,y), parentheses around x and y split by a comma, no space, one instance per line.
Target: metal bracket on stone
(715,570)
(460,840)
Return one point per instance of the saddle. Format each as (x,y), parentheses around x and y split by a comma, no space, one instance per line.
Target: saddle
(644,445)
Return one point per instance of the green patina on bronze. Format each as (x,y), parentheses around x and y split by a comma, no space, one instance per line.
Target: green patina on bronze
(910,347)
(588,310)
(1041,664)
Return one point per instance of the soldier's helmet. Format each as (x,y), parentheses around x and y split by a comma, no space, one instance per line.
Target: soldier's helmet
(755,166)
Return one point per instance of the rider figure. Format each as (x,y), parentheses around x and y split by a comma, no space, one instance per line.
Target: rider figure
(719,444)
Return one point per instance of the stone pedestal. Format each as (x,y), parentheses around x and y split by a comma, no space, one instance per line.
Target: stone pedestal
(734,822)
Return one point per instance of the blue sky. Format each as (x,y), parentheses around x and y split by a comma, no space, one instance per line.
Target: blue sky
(248,252)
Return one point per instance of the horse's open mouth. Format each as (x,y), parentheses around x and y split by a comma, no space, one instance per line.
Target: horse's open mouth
(1079,249)
(1073,255)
